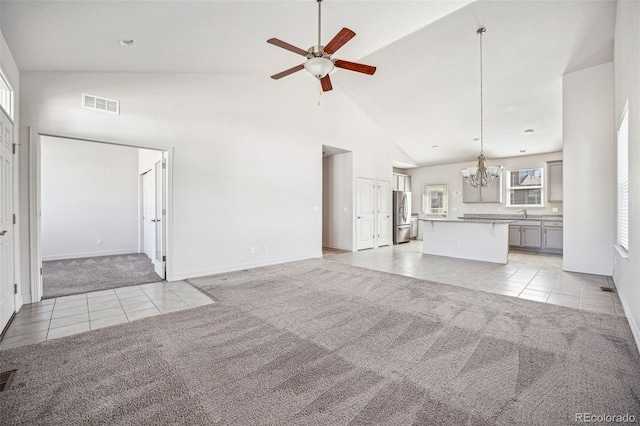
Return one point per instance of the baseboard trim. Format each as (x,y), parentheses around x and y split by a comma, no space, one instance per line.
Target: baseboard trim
(26,299)
(238,267)
(84,255)
(336,247)
(19,302)
(635,331)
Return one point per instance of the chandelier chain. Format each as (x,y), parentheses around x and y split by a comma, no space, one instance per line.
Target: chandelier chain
(481,31)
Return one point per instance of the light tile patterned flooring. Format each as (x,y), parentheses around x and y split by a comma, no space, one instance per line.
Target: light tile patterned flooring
(530,276)
(64,316)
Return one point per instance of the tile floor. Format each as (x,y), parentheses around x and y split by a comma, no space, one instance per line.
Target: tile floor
(530,276)
(64,316)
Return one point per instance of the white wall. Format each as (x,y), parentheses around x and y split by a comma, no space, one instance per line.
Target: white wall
(247,164)
(449,174)
(588,170)
(627,88)
(89,192)
(337,201)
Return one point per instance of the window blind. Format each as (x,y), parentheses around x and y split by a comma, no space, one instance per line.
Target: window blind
(623,182)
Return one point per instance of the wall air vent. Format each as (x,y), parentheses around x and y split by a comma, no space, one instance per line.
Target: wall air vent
(100,104)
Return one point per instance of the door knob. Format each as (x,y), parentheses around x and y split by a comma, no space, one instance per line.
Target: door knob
(359,217)
(2,233)
(155,220)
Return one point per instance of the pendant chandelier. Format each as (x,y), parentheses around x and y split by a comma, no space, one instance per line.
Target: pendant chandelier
(481,175)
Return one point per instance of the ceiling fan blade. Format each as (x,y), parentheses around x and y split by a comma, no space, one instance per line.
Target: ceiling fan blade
(287,72)
(326,83)
(343,36)
(352,66)
(287,46)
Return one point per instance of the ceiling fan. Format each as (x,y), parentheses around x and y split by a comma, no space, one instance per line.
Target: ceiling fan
(319,62)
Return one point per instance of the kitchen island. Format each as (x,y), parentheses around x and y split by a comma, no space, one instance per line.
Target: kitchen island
(486,240)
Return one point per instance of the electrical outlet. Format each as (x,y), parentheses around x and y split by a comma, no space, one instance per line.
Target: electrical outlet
(316,208)
(252,250)
(346,209)
(459,243)
(554,209)
(99,241)
(454,209)
(266,249)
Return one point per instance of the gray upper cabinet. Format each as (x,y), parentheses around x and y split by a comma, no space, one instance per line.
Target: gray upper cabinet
(492,194)
(554,181)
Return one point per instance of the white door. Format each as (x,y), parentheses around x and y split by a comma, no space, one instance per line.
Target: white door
(7,298)
(149,213)
(384,212)
(365,221)
(159,259)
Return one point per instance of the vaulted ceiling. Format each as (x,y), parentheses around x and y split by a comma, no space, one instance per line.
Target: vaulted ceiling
(425,92)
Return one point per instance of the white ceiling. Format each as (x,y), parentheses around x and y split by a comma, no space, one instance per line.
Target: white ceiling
(426,89)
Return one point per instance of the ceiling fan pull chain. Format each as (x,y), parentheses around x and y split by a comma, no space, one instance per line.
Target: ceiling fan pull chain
(319,90)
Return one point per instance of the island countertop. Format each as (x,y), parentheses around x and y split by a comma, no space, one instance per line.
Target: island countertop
(474,220)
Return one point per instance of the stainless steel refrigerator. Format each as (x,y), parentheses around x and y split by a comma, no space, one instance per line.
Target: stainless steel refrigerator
(401,217)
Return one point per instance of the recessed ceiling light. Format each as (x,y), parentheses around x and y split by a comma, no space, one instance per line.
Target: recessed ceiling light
(127,42)
(523,150)
(529,131)
(435,146)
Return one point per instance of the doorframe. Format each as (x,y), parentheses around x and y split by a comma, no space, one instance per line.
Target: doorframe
(35,232)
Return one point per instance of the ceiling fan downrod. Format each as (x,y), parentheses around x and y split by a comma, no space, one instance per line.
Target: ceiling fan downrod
(319,23)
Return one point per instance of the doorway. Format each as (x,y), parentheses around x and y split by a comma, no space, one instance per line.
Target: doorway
(105,236)
(337,200)
(153,211)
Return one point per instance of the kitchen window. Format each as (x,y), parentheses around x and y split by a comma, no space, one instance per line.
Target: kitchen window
(525,188)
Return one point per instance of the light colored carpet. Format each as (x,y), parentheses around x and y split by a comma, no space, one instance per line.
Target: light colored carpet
(76,276)
(320,343)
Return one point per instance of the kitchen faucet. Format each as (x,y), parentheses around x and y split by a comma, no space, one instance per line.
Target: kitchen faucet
(523,211)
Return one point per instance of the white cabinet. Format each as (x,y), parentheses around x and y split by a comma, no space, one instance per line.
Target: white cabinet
(554,181)
(401,182)
(492,194)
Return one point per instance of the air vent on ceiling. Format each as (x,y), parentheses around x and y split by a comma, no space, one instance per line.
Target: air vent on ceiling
(100,104)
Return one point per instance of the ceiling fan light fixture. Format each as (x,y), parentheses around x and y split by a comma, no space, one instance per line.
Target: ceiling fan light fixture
(319,67)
